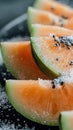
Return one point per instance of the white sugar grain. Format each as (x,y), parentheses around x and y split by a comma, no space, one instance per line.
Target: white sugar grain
(8,126)
(1,60)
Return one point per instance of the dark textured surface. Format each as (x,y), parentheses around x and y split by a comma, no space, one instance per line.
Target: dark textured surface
(9,118)
(10,9)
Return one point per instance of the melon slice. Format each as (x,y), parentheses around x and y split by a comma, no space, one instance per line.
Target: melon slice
(54,7)
(66,120)
(43,17)
(18,59)
(38,101)
(47,18)
(53,54)
(45,30)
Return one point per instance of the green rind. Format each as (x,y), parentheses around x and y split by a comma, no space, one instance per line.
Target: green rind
(64,120)
(47,69)
(37,3)
(14,104)
(29,18)
(6,62)
(60,122)
(33,30)
(18,108)
(31,12)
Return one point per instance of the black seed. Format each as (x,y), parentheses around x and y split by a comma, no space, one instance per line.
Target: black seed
(71,62)
(56,82)
(53,35)
(64,17)
(56,39)
(68,47)
(52,8)
(61,83)
(53,84)
(57,59)
(57,44)
(67,41)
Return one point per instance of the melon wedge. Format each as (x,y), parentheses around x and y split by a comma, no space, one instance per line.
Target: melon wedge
(47,18)
(38,101)
(66,120)
(53,54)
(18,59)
(45,30)
(43,17)
(54,7)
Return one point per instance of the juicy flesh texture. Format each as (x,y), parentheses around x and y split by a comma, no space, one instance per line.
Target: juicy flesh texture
(18,59)
(69,24)
(45,30)
(47,18)
(48,52)
(46,102)
(55,7)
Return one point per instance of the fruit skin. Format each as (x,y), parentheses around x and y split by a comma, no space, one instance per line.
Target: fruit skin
(46,18)
(18,59)
(50,57)
(48,70)
(45,105)
(66,120)
(28,21)
(17,105)
(36,16)
(45,30)
(54,7)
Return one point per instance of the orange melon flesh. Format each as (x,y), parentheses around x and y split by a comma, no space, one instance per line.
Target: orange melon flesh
(54,60)
(69,24)
(54,7)
(47,18)
(18,59)
(38,101)
(45,30)
(43,17)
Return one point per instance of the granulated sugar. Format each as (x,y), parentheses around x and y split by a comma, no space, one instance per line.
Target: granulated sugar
(3,97)
(9,126)
(5,110)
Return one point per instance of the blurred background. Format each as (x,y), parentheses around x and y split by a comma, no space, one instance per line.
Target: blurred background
(10,9)
(12,18)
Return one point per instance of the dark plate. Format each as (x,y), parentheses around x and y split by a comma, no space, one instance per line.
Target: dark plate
(9,118)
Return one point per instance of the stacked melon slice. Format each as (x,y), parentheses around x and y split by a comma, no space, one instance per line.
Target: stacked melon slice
(50,12)
(48,54)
